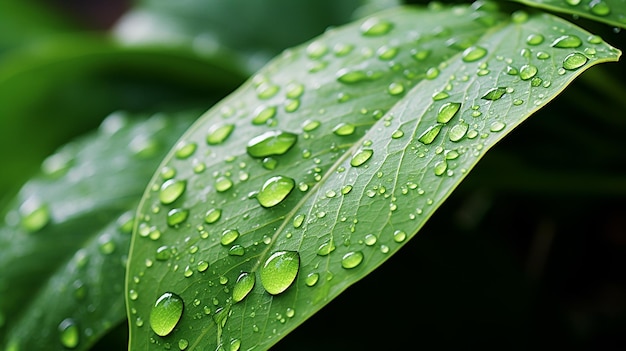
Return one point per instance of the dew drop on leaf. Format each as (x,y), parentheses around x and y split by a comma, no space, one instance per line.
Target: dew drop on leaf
(275,190)
(534,39)
(567,42)
(69,333)
(447,111)
(186,150)
(458,131)
(375,27)
(212,215)
(271,143)
(279,271)
(163,253)
(35,218)
(347,76)
(165,314)
(177,216)
(574,61)
(219,133)
(360,157)
(229,236)
(352,259)
(474,53)
(430,134)
(171,190)
(343,129)
(526,72)
(263,113)
(494,94)
(311,279)
(243,286)
(183,344)
(223,183)
(599,8)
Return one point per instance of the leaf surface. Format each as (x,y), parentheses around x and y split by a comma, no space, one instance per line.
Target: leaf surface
(66,236)
(327,161)
(611,12)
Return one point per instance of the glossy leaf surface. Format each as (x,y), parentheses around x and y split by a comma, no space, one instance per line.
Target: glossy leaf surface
(390,113)
(612,12)
(65,239)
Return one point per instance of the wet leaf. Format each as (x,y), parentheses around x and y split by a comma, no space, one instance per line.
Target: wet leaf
(65,238)
(611,12)
(379,121)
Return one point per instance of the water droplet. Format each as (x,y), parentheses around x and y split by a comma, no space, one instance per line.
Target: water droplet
(399,236)
(458,131)
(275,190)
(567,42)
(183,344)
(441,167)
(243,286)
(213,215)
(519,16)
(171,190)
(343,129)
(271,143)
(447,111)
(346,189)
(69,335)
(474,53)
(229,236)
(351,259)
(298,220)
(387,53)
(235,344)
(223,183)
(430,134)
(219,133)
(202,266)
(263,114)
(534,39)
(542,55)
(316,50)
(186,150)
(326,248)
(310,125)
(373,27)
(573,2)
(166,313)
(177,216)
(107,245)
(494,94)
(291,105)
(397,134)
(526,72)
(266,90)
(497,126)
(432,73)
(236,250)
(279,271)
(360,157)
(395,89)
(347,76)
(311,279)
(574,61)
(599,8)
(35,216)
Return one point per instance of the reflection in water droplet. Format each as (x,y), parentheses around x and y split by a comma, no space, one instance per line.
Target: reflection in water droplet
(219,133)
(599,8)
(279,271)
(186,150)
(360,157)
(212,215)
(458,131)
(534,39)
(375,27)
(494,94)
(343,129)
(223,183)
(69,335)
(497,126)
(229,236)
(352,259)
(243,286)
(177,216)
(567,42)
(526,72)
(171,190)
(447,111)
(271,143)
(275,190)
(474,53)
(263,114)
(326,248)
(574,61)
(311,279)
(430,134)
(166,313)
(395,89)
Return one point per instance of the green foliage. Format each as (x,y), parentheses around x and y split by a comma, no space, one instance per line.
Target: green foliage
(318,169)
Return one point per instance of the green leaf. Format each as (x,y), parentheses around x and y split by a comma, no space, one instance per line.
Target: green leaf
(66,236)
(611,12)
(251,32)
(328,161)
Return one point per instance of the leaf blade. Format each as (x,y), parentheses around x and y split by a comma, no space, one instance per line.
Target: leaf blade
(365,181)
(610,12)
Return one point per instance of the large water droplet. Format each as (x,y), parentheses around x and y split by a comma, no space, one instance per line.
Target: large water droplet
(494,94)
(360,157)
(351,259)
(474,53)
(219,133)
(69,335)
(430,134)
(271,143)
(347,76)
(567,42)
(263,114)
(447,111)
(171,190)
(600,8)
(177,216)
(279,271)
(458,131)
(375,27)
(229,236)
(275,190)
(223,183)
(534,39)
(526,72)
(343,129)
(166,313)
(574,61)
(186,150)
(243,286)
(34,217)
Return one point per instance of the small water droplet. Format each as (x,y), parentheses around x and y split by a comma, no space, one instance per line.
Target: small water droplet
(219,133)
(107,245)
(310,125)
(266,90)
(183,344)
(458,131)
(223,183)
(202,266)
(360,157)
(311,279)
(441,167)
(343,129)
(373,27)
(397,134)
(395,89)
(279,271)
(352,259)
(430,134)
(474,53)
(271,143)
(574,61)
(399,236)
(346,189)
(534,39)
(186,150)
(275,190)
(497,126)
(69,335)
(298,220)
(171,190)
(263,114)
(573,2)
(229,236)
(34,215)
(387,53)
(494,94)
(236,250)
(447,111)
(213,215)
(347,76)
(243,286)
(166,313)
(526,72)
(177,216)
(432,73)
(567,42)
(316,50)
